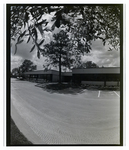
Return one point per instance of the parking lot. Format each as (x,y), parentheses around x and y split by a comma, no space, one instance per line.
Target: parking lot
(88,117)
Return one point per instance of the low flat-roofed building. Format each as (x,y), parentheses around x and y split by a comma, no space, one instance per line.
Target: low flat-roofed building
(103,70)
(100,76)
(67,76)
(49,75)
(104,75)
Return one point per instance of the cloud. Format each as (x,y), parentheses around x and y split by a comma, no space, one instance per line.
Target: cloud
(97,44)
(16,61)
(38,62)
(101,56)
(23,50)
(99,53)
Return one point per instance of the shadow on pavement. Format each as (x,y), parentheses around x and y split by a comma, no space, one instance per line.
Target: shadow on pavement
(61,88)
(72,88)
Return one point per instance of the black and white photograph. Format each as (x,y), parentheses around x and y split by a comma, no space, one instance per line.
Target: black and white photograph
(64,74)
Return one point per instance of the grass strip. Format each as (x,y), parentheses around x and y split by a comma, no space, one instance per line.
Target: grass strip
(17,138)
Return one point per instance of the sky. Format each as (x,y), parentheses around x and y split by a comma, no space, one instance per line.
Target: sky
(99,53)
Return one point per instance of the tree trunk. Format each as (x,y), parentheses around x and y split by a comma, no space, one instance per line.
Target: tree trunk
(60,68)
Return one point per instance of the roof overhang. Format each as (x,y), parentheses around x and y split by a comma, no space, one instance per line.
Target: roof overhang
(41,72)
(110,70)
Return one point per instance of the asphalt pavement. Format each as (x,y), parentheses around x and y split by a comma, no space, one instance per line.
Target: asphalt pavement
(89,117)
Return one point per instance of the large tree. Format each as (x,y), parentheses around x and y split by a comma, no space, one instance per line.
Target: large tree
(84,23)
(26,66)
(59,52)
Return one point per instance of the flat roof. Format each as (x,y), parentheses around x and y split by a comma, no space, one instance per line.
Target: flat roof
(67,73)
(55,72)
(107,70)
(42,72)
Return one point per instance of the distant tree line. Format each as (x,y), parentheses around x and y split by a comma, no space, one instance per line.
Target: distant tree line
(26,66)
(88,64)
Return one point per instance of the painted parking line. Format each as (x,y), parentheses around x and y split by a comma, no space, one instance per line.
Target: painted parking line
(116,94)
(99,94)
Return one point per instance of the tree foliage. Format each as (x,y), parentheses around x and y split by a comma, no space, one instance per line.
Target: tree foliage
(59,51)
(26,66)
(84,23)
(25,24)
(15,72)
(98,22)
(88,64)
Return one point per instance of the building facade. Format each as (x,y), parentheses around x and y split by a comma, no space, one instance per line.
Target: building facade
(49,75)
(99,76)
